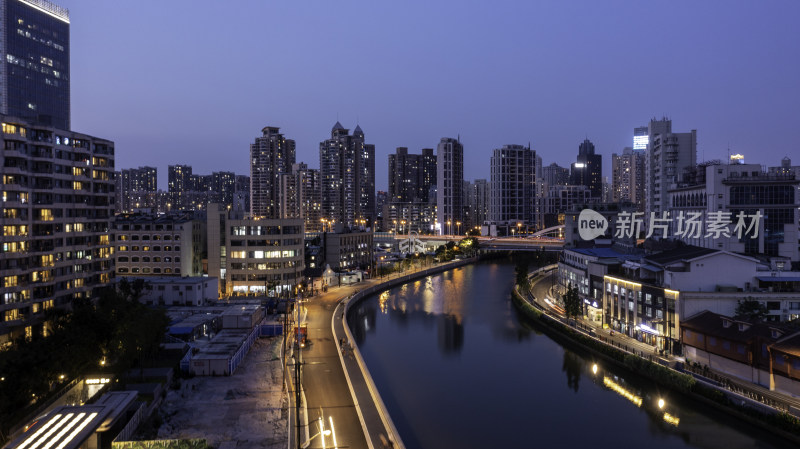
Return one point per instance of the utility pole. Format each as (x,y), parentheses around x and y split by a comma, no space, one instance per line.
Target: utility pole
(297,367)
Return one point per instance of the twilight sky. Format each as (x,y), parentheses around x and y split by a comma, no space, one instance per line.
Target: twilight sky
(194,82)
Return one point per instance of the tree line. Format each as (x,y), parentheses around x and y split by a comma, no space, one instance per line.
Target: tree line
(111,334)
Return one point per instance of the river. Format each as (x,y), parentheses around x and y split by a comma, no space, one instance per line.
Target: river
(457,367)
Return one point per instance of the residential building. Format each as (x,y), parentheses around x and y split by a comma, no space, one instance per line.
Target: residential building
(404,218)
(411,175)
(159,245)
(381,198)
(347,172)
(627,182)
(559,199)
(180,178)
(254,256)
(450,182)
(58,202)
(513,185)
(478,202)
(135,188)
(300,196)
(587,170)
(668,155)
(555,175)
(271,156)
(35,63)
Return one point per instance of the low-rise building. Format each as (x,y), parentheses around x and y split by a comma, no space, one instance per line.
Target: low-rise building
(647,298)
(348,250)
(584,269)
(159,244)
(179,291)
(254,255)
(761,353)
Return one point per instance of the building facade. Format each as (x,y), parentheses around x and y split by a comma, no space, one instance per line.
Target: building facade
(35,63)
(627,177)
(587,170)
(478,202)
(271,156)
(555,175)
(347,173)
(159,245)
(300,196)
(346,251)
(668,156)
(513,185)
(731,189)
(404,218)
(411,175)
(254,256)
(58,203)
(450,182)
(135,188)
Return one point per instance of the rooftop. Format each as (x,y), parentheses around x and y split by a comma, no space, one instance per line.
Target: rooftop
(171,218)
(710,323)
(789,344)
(683,253)
(605,253)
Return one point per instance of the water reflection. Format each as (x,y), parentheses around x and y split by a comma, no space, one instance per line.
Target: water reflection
(572,366)
(451,334)
(456,367)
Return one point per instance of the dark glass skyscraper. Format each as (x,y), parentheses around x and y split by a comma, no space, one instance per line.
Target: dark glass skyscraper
(34,70)
(588,170)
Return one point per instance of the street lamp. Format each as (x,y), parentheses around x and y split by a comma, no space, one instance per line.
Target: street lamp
(449,228)
(518,230)
(458,227)
(323,431)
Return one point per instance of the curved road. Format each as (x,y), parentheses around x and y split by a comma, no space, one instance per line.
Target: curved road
(324,381)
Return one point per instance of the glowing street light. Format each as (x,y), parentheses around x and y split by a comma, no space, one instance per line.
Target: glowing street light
(322,431)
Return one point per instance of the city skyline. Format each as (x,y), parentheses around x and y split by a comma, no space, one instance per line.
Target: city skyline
(161,109)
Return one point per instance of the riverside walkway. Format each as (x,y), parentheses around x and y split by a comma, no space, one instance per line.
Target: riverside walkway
(541,287)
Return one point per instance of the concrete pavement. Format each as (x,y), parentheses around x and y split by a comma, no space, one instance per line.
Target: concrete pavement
(324,381)
(329,371)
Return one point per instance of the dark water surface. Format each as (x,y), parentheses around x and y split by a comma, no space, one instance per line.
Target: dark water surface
(456,368)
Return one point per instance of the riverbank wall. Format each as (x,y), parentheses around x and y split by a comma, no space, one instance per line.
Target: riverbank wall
(359,296)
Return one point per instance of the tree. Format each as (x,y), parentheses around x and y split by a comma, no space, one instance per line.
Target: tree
(572,302)
(750,310)
(521,274)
